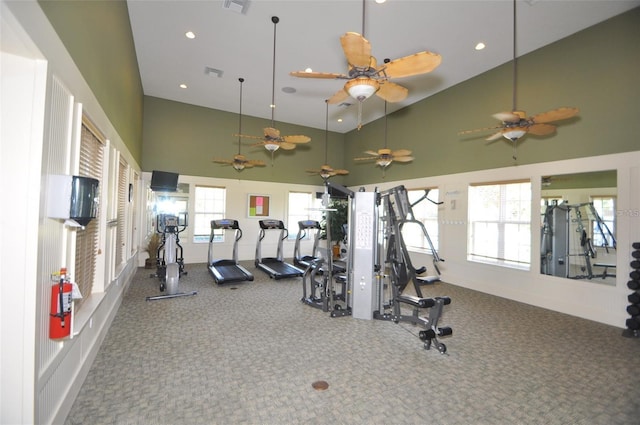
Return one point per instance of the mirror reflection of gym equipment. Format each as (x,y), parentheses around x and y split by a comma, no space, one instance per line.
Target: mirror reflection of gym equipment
(600,188)
(567,243)
(170,262)
(227,270)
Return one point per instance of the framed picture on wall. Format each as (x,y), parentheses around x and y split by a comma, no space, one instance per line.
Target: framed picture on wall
(258,206)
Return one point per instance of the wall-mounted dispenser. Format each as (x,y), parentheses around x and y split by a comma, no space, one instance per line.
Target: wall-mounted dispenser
(73,199)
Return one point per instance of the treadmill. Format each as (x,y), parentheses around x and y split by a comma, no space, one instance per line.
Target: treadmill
(225,271)
(275,267)
(306,227)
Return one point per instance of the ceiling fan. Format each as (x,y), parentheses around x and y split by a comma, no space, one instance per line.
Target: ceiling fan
(272,140)
(239,161)
(326,171)
(516,124)
(364,76)
(385,156)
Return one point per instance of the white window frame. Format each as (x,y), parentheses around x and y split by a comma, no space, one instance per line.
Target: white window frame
(509,247)
(209,204)
(608,216)
(301,206)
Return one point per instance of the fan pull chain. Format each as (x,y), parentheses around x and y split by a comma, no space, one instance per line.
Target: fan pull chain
(359,115)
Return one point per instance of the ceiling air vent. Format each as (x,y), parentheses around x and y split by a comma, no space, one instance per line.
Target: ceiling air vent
(208,70)
(238,6)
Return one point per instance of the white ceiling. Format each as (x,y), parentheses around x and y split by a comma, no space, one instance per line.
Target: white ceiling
(308,35)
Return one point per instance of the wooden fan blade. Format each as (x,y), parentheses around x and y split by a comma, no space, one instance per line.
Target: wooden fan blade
(222,161)
(296,139)
(508,116)
(357,49)
(495,136)
(313,172)
(418,63)
(256,162)
(247,165)
(401,152)
(374,153)
(287,146)
(339,97)
(479,130)
(403,158)
(271,133)
(340,172)
(392,92)
(325,75)
(542,129)
(246,136)
(555,115)
(369,158)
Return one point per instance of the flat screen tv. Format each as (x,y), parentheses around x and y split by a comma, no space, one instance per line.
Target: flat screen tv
(164,181)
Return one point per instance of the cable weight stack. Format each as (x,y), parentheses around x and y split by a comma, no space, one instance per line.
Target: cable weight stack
(633,323)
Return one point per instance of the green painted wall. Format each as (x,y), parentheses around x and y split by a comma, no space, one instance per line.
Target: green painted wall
(185,139)
(105,55)
(596,70)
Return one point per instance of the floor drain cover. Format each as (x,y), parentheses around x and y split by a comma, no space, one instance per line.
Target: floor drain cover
(320,385)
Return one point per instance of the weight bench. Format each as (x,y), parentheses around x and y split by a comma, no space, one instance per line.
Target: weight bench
(605,274)
(430,322)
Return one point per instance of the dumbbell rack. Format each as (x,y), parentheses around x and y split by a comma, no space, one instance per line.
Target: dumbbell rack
(633,323)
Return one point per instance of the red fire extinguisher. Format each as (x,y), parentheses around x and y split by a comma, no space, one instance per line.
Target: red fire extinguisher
(60,316)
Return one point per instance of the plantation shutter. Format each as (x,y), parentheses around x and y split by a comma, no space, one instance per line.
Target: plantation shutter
(122,202)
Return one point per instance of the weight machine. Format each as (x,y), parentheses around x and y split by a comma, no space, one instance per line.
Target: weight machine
(566,248)
(169,260)
(391,299)
(326,280)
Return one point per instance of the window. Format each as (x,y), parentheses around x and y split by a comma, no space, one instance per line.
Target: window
(302,206)
(90,165)
(500,224)
(603,231)
(426,212)
(210,205)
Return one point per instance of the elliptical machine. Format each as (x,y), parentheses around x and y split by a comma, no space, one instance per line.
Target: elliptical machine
(170,263)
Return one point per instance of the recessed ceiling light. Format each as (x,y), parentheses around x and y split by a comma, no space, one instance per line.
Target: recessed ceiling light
(183,86)
(190,34)
(480,46)
(380,1)
(339,119)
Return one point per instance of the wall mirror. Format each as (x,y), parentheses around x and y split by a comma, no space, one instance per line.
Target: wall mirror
(578,226)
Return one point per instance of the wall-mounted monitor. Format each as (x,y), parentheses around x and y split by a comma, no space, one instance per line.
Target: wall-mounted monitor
(164,181)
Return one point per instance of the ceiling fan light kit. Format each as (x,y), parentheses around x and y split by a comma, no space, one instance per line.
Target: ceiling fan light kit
(514,134)
(271,147)
(362,88)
